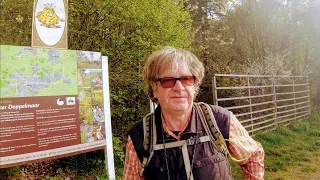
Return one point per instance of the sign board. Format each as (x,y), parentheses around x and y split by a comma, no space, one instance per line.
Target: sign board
(51,104)
(49,24)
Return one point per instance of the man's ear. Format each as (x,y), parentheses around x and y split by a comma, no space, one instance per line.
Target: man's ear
(154,89)
(154,95)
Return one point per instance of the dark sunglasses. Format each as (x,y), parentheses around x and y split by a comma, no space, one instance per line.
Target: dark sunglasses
(169,82)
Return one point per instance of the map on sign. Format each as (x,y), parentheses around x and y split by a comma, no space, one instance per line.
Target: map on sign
(26,71)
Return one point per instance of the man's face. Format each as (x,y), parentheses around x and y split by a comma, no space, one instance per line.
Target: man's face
(179,97)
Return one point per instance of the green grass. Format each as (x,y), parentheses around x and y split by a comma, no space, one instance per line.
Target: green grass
(308,169)
(289,146)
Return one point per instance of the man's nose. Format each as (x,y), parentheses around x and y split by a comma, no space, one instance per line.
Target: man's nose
(178,85)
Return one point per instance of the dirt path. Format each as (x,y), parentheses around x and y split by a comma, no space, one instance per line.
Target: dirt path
(306,170)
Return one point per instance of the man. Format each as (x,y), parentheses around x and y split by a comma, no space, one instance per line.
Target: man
(179,142)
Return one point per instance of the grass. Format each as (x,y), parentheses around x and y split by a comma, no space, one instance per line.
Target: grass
(289,146)
(308,169)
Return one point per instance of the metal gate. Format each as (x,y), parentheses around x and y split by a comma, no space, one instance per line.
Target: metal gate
(262,101)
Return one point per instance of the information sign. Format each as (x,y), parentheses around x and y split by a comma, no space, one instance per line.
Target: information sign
(51,104)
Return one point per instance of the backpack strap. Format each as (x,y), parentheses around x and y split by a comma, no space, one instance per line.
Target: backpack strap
(211,128)
(149,139)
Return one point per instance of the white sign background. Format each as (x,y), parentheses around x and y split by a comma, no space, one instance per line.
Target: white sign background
(50,36)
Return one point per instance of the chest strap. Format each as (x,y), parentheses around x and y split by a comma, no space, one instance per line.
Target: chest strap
(190,141)
(184,144)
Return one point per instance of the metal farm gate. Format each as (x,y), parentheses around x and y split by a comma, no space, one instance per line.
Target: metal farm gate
(262,101)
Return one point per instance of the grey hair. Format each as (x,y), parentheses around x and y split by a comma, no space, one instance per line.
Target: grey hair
(166,58)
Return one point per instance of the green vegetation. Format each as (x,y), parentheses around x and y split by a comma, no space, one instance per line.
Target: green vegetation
(290,146)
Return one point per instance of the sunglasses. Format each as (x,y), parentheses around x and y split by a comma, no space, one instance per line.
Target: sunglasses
(169,82)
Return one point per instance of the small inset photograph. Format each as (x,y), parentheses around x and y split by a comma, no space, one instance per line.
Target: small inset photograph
(97,96)
(84,77)
(92,132)
(87,59)
(85,96)
(97,113)
(98,131)
(85,114)
(86,132)
(96,78)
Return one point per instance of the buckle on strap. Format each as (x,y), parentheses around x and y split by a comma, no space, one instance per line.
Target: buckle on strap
(193,141)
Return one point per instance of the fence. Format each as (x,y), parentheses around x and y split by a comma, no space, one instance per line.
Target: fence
(262,102)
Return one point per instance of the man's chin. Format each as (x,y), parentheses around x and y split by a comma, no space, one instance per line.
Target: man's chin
(179,100)
(182,106)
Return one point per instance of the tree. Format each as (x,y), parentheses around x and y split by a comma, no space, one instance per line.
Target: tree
(127,32)
(16,21)
(254,34)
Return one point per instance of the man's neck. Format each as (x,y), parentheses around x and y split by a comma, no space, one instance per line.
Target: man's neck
(177,121)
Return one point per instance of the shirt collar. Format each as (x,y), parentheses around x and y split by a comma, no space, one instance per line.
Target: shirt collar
(190,127)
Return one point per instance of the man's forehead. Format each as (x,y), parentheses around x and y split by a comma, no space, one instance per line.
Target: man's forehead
(178,68)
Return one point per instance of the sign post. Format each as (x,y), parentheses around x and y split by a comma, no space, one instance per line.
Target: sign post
(108,131)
